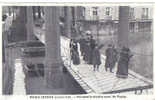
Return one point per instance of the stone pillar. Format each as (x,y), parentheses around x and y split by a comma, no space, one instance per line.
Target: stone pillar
(123,26)
(68,21)
(34,12)
(21,31)
(77,17)
(53,70)
(30,35)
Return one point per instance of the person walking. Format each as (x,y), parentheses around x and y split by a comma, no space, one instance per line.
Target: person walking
(114,58)
(82,44)
(91,48)
(96,59)
(75,54)
(71,48)
(86,50)
(122,70)
(92,42)
(109,58)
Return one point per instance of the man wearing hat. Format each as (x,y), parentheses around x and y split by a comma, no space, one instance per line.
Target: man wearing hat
(96,58)
(110,58)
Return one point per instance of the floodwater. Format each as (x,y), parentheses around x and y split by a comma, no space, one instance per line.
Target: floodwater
(35,85)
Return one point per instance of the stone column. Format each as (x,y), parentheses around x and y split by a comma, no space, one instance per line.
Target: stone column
(21,31)
(30,34)
(34,12)
(53,70)
(78,15)
(123,26)
(68,21)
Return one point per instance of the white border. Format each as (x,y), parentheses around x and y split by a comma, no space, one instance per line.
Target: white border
(137,3)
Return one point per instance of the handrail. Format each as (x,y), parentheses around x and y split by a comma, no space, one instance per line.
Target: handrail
(129,89)
(65,51)
(82,80)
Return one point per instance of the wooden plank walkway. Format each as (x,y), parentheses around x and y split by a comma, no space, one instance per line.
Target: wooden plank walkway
(102,81)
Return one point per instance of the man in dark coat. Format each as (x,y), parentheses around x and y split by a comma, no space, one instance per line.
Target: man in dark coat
(115,57)
(96,58)
(91,48)
(110,58)
(86,50)
(76,59)
(92,42)
(122,70)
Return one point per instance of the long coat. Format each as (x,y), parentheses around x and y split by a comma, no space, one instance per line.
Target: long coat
(122,70)
(92,43)
(86,51)
(110,58)
(76,59)
(96,59)
(75,54)
(91,48)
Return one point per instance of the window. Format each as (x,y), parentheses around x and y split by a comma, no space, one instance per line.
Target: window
(95,11)
(131,13)
(108,11)
(144,12)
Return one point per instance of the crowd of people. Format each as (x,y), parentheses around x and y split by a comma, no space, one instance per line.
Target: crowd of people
(90,52)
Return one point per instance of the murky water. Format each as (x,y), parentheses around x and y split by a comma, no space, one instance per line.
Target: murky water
(35,85)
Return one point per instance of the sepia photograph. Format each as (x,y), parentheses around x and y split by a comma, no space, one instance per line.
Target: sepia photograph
(74,50)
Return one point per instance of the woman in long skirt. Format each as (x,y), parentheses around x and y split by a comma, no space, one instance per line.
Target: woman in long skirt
(76,59)
(75,54)
(122,70)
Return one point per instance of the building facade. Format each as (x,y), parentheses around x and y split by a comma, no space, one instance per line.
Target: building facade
(140,17)
(101,13)
(102,18)
(112,12)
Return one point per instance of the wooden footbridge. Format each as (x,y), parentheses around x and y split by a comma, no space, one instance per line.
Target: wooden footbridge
(100,82)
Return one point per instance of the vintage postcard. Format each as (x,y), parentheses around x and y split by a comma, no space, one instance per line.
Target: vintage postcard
(77,51)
